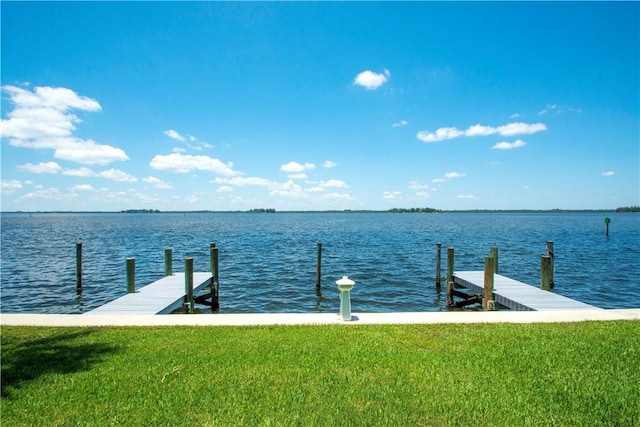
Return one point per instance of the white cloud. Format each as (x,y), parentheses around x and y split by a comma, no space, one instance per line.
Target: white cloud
(298,176)
(81,172)
(466,196)
(370,80)
(391,194)
(608,173)
(451,175)
(174,135)
(415,185)
(422,194)
(510,129)
(316,189)
(157,182)
(50,194)
(10,187)
(295,167)
(184,163)
(83,187)
(400,123)
(509,145)
(224,189)
(334,183)
(44,167)
(438,180)
(250,180)
(329,164)
(116,175)
(514,116)
(41,120)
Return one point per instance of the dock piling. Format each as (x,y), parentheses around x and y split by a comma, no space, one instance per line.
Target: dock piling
(131,275)
(318,266)
(79,267)
(215,283)
(188,283)
(546,270)
(489,271)
(553,259)
(450,283)
(168,261)
(494,254)
(438,272)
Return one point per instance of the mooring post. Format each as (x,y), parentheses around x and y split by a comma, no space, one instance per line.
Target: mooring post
(168,261)
(606,226)
(79,267)
(188,283)
(450,284)
(553,261)
(131,275)
(319,266)
(545,272)
(215,283)
(438,273)
(494,255)
(211,266)
(489,271)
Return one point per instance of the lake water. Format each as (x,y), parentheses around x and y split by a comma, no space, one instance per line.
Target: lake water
(268,261)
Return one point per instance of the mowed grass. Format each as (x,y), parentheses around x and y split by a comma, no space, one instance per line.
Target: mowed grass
(343,375)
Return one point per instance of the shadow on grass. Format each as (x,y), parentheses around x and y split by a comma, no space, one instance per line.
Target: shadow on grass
(26,359)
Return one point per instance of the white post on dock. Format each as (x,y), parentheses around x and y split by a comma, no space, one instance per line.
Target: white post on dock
(345,285)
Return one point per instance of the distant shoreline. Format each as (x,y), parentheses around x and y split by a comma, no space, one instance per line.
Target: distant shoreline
(333,211)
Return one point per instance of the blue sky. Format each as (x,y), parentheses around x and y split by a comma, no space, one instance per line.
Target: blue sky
(306,106)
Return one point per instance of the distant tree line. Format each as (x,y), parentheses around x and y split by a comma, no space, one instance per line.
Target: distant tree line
(413,210)
(629,209)
(263,210)
(141,211)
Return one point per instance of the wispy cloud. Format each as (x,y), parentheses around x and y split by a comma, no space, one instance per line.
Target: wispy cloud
(175,135)
(400,124)
(295,167)
(448,176)
(466,196)
(608,173)
(329,164)
(391,194)
(370,80)
(509,145)
(10,186)
(184,163)
(157,182)
(415,185)
(117,175)
(44,167)
(41,119)
(510,129)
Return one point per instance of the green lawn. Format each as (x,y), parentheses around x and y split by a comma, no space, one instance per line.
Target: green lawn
(415,375)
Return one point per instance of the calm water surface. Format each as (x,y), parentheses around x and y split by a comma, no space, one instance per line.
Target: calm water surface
(267,261)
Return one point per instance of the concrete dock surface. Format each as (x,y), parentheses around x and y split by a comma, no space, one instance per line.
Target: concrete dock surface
(62,320)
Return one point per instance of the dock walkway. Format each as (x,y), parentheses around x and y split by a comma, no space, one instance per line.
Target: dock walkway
(160,297)
(518,295)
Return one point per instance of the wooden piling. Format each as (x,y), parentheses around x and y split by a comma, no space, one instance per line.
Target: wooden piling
(79,267)
(131,275)
(553,261)
(438,272)
(215,282)
(494,255)
(450,283)
(318,265)
(188,283)
(545,272)
(168,261)
(211,266)
(489,271)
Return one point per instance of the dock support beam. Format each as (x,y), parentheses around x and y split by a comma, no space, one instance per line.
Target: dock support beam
(131,275)
(168,261)
(489,269)
(450,284)
(438,272)
(79,267)
(188,284)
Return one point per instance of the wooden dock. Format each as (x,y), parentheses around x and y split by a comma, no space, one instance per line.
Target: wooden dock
(517,295)
(160,297)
